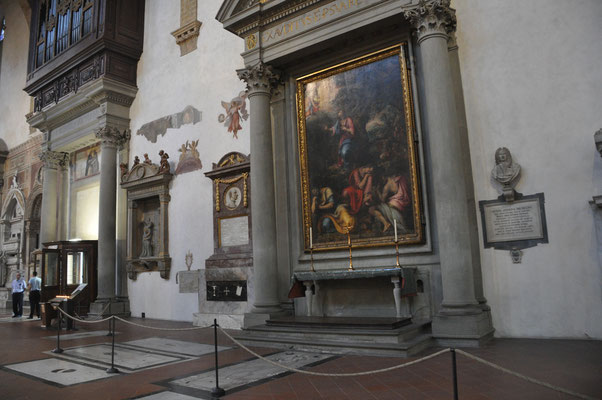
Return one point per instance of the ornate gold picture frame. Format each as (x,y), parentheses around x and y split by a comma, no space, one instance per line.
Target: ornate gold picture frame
(358,156)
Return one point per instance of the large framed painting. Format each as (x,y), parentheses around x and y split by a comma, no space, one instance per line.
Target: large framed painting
(359,167)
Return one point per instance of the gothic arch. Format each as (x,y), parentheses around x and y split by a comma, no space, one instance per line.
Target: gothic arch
(32,210)
(13,194)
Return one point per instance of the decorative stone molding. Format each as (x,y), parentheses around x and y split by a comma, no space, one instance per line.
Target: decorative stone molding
(432,18)
(188,33)
(54,159)
(598,140)
(112,137)
(187,37)
(260,79)
(112,97)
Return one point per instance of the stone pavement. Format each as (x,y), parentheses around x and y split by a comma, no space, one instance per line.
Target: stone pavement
(178,365)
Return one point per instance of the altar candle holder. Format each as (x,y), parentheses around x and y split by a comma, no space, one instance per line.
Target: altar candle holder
(311,250)
(349,244)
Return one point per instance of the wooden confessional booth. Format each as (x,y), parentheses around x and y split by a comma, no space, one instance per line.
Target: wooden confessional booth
(69,278)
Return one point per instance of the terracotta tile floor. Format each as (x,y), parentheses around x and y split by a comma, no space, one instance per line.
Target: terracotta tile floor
(574,365)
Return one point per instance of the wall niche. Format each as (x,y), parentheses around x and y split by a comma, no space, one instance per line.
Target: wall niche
(147,186)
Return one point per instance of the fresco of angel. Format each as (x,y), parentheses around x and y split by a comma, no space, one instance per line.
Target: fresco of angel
(235,110)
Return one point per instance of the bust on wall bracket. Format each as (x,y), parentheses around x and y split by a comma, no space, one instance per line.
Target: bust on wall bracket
(513,221)
(506,172)
(147,186)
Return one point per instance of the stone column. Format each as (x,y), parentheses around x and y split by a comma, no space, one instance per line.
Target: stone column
(460,317)
(53,161)
(260,81)
(111,138)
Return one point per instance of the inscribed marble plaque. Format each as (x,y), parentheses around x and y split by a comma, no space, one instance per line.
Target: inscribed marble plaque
(519,220)
(234,231)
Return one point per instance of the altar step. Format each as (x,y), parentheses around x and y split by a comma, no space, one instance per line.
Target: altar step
(404,341)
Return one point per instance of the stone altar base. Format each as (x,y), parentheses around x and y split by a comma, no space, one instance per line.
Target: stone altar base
(104,307)
(471,330)
(341,335)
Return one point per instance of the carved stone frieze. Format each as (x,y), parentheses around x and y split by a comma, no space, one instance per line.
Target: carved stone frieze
(432,18)
(261,78)
(111,136)
(54,159)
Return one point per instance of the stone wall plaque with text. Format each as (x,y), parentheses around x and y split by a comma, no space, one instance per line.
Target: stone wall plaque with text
(514,225)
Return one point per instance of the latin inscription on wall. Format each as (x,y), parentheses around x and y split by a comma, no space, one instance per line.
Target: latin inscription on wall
(516,224)
(520,220)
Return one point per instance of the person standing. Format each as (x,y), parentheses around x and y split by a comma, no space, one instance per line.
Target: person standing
(18,289)
(34,285)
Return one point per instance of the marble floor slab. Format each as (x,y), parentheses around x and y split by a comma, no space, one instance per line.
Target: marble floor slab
(126,359)
(18,319)
(245,373)
(57,371)
(167,396)
(82,335)
(175,346)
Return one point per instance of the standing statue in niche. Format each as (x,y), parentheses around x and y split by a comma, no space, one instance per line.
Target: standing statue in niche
(505,172)
(147,239)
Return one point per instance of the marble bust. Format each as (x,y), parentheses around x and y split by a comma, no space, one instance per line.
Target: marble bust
(505,171)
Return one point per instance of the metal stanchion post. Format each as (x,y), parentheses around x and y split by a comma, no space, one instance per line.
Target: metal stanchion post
(216,391)
(58,349)
(108,334)
(454,372)
(113,370)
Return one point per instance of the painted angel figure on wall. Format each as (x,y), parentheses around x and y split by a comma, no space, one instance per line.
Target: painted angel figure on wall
(235,110)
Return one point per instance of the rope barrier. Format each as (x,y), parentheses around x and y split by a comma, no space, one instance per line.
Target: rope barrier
(532,380)
(82,320)
(161,329)
(376,371)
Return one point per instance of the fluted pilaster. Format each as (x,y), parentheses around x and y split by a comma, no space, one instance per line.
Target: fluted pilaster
(52,161)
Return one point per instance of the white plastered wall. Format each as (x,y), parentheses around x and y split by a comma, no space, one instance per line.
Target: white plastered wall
(167,83)
(14,102)
(532,79)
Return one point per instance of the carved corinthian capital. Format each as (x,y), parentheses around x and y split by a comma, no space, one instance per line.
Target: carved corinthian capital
(432,18)
(54,159)
(112,137)
(259,79)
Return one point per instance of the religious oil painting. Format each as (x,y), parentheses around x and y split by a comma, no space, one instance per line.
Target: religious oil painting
(85,162)
(359,172)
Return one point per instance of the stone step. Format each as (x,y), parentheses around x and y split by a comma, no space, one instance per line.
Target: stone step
(340,322)
(392,336)
(404,349)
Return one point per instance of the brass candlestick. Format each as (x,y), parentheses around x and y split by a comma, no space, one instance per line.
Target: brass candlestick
(397,253)
(349,244)
(311,253)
